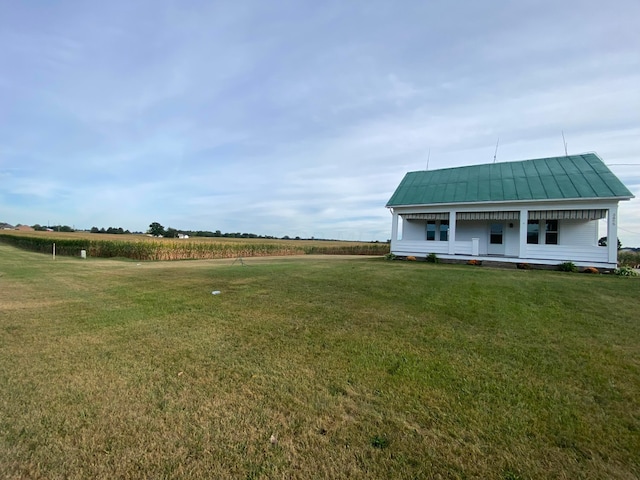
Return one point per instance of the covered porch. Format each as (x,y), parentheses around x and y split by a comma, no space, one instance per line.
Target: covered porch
(524,235)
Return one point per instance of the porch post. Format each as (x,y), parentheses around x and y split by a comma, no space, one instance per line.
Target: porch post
(394,226)
(524,222)
(452,232)
(612,234)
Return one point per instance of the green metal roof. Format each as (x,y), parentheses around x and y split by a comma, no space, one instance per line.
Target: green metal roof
(555,178)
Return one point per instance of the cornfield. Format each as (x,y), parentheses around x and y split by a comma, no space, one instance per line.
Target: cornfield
(629,259)
(144,249)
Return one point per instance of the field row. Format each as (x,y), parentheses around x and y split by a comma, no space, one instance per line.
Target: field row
(156,249)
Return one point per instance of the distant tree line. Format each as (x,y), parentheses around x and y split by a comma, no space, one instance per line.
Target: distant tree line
(218,233)
(114,230)
(156,229)
(55,228)
(67,228)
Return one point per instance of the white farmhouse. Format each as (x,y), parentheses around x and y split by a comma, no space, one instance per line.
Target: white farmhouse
(543,211)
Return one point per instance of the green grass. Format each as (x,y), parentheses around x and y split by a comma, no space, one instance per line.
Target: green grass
(360,368)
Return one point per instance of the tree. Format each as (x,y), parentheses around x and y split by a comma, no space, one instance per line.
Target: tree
(156,229)
(62,228)
(603,242)
(171,232)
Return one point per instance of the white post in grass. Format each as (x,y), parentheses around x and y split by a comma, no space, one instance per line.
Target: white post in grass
(54,251)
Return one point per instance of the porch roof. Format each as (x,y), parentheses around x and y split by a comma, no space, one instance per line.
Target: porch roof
(583,176)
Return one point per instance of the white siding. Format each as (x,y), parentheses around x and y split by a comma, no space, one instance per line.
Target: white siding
(466,230)
(418,248)
(413,230)
(463,248)
(563,253)
(581,233)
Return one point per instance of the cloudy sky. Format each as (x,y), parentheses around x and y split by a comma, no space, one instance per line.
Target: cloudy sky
(298,117)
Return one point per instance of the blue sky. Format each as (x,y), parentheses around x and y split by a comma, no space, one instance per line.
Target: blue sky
(298,117)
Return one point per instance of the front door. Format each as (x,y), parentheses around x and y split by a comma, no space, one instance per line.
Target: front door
(496,238)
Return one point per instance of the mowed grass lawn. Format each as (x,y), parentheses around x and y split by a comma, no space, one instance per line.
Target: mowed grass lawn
(358,368)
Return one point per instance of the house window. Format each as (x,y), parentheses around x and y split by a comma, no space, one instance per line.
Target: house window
(444,230)
(533,230)
(551,232)
(438,230)
(496,234)
(431,230)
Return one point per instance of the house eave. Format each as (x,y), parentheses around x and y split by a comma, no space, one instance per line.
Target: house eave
(510,202)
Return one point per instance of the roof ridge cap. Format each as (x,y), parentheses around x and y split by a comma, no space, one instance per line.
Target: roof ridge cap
(511,161)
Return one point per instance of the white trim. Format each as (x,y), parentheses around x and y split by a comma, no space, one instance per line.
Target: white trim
(452,232)
(394,226)
(524,226)
(612,233)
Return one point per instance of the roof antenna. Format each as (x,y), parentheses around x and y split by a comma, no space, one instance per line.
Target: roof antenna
(428,157)
(565,145)
(496,152)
